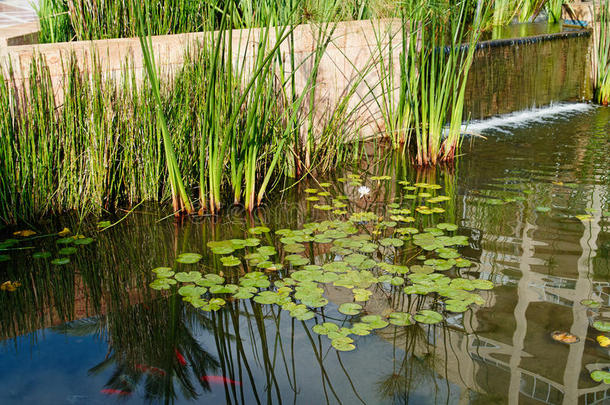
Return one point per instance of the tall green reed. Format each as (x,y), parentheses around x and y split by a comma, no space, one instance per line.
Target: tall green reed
(443,63)
(180,197)
(601,52)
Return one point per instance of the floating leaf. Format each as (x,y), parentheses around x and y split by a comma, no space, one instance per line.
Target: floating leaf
(428,317)
(60,261)
(267,250)
(208,280)
(590,303)
(325,328)
(244,293)
(67,251)
(584,217)
(543,209)
(103,224)
(83,241)
(230,261)
(41,255)
(391,242)
(350,308)
(374,321)
(190,277)
(224,289)
(602,326)
(192,291)
(162,272)
(162,283)
(188,258)
(482,284)
(257,230)
(343,344)
(601,375)
(65,241)
(400,318)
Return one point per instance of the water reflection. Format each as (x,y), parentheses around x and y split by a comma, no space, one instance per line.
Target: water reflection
(147,347)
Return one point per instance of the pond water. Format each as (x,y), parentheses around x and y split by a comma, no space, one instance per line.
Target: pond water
(531,207)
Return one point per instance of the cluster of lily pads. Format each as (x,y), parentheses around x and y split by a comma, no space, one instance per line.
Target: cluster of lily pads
(357,252)
(66,245)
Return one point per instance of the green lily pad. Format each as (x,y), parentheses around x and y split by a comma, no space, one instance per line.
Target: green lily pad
(602,326)
(208,280)
(601,375)
(244,293)
(230,261)
(162,283)
(400,319)
(83,241)
(391,242)
(343,344)
(65,241)
(190,277)
(163,272)
(350,308)
(428,317)
(224,289)
(543,209)
(191,291)
(60,261)
(374,321)
(223,250)
(591,303)
(40,255)
(447,226)
(325,328)
(482,284)
(267,250)
(188,258)
(257,230)
(67,251)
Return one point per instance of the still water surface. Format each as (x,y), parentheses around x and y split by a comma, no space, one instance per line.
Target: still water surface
(93,332)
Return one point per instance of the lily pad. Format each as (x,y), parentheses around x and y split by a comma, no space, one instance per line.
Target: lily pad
(350,308)
(602,326)
(230,261)
(428,317)
(83,241)
(67,251)
(60,261)
(190,277)
(343,344)
(400,319)
(163,272)
(188,258)
(40,255)
(162,283)
(601,375)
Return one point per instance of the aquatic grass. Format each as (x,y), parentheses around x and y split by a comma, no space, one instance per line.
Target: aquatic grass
(180,198)
(443,65)
(601,52)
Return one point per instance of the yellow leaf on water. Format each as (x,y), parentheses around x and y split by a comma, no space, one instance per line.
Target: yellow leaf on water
(24,233)
(603,341)
(64,232)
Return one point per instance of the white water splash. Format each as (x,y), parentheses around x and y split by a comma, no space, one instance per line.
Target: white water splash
(523,118)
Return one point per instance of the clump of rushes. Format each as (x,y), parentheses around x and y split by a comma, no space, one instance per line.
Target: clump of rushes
(180,198)
(65,20)
(443,63)
(601,51)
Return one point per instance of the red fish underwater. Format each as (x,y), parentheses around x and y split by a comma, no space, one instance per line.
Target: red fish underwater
(149,369)
(111,391)
(218,379)
(180,358)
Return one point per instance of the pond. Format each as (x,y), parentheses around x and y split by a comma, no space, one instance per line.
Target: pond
(379,285)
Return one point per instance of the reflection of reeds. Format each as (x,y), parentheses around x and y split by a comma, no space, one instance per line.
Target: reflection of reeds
(601,52)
